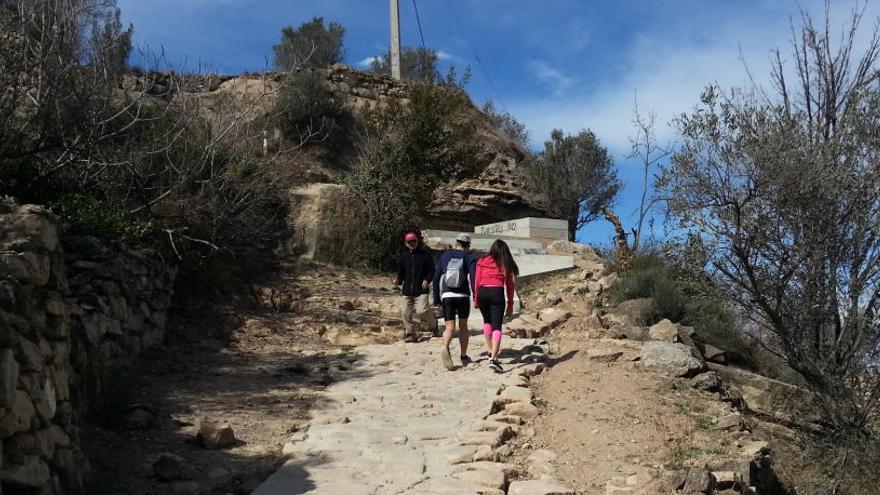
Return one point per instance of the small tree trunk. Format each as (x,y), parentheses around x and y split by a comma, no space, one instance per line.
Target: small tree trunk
(573,228)
(623,252)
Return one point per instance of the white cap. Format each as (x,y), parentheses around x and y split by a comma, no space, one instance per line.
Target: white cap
(463,238)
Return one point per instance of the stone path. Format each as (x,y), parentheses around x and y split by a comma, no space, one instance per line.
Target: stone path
(397,422)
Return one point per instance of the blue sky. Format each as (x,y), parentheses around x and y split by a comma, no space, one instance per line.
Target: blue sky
(569,64)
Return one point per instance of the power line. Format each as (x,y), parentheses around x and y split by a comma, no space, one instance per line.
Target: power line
(419,22)
(476,56)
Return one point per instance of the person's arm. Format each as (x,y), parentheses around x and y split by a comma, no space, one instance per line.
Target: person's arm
(511,288)
(437,274)
(479,274)
(401,271)
(472,272)
(428,269)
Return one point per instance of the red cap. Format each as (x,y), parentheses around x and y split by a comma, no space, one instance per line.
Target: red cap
(411,236)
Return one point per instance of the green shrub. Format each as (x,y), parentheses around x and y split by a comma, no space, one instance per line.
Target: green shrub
(679,297)
(408,152)
(89,216)
(649,276)
(308,113)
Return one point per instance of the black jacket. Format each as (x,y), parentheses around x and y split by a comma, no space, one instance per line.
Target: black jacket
(414,267)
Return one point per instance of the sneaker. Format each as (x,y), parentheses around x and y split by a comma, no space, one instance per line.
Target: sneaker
(447,359)
(496,366)
(465,360)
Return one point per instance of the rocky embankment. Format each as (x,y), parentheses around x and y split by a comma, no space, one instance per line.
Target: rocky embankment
(68,321)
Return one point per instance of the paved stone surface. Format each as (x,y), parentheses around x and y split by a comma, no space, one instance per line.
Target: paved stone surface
(412,426)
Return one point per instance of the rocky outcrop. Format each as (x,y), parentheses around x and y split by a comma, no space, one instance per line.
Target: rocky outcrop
(66,322)
(496,194)
(324,221)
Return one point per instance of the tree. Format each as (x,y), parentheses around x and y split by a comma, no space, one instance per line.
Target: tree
(408,151)
(507,124)
(575,178)
(780,190)
(312,44)
(117,151)
(307,112)
(649,154)
(418,64)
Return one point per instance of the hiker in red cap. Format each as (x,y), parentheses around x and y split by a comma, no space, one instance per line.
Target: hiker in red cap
(415,270)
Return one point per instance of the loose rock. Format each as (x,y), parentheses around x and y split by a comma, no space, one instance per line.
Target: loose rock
(214,436)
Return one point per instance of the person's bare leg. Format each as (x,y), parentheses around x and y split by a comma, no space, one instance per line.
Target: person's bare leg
(448,332)
(447,338)
(463,336)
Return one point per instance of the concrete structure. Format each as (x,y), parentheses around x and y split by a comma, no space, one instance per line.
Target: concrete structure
(546,230)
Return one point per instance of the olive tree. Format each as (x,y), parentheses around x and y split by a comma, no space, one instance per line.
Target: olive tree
(419,64)
(312,44)
(781,190)
(574,176)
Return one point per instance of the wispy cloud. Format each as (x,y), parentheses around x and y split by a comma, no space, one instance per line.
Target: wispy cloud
(368,61)
(443,55)
(550,76)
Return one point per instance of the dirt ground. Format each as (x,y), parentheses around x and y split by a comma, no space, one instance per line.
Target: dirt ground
(255,369)
(612,420)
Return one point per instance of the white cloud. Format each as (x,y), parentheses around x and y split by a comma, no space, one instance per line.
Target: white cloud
(667,70)
(368,61)
(442,55)
(550,76)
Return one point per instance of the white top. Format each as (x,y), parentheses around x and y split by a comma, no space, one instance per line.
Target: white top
(451,294)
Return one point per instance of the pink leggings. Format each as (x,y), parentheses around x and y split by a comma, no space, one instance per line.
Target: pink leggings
(496,334)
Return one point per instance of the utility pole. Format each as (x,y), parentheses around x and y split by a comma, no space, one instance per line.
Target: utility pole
(395,39)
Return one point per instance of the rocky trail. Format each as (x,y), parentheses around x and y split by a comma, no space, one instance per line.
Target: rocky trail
(321,396)
(406,425)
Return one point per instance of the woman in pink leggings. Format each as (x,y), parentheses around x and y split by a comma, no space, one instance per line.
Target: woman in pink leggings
(495,272)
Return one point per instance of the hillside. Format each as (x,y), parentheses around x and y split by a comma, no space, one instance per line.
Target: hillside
(496,194)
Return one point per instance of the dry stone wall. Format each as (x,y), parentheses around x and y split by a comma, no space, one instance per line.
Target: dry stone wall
(65,323)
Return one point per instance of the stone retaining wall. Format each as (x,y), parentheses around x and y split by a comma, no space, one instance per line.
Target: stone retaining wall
(66,321)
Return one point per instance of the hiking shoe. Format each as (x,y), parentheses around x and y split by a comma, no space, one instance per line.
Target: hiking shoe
(465,360)
(496,366)
(447,359)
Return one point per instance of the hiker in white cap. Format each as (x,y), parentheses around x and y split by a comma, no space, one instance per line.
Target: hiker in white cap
(453,282)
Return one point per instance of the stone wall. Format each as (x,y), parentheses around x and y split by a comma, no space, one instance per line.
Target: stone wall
(65,322)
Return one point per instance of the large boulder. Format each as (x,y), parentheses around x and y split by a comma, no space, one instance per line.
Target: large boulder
(630,312)
(770,397)
(674,360)
(497,194)
(664,331)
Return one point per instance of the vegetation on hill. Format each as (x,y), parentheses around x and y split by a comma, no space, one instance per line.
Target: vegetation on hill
(575,178)
(777,192)
(312,44)
(409,150)
(416,64)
